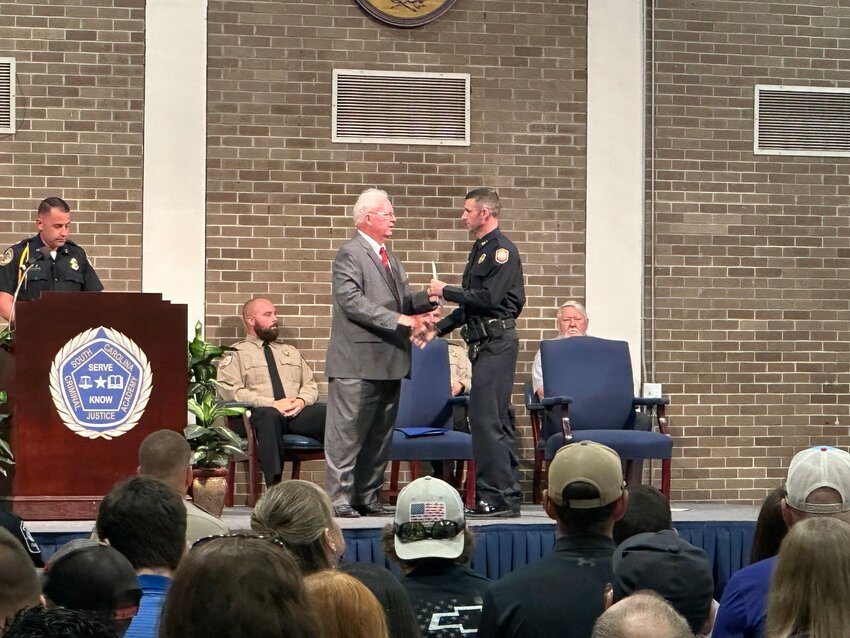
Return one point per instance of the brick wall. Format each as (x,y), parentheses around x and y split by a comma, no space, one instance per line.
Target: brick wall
(80,86)
(279,192)
(752,286)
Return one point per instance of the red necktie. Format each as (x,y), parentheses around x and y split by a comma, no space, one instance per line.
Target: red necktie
(385,260)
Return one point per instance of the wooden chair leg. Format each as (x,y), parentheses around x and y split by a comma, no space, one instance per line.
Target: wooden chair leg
(414,470)
(296,468)
(231,482)
(665,478)
(394,472)
(537,480)
(470,484)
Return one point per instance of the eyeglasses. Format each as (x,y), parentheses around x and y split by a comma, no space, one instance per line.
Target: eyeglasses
(438,530)
(245,535)
(384,215)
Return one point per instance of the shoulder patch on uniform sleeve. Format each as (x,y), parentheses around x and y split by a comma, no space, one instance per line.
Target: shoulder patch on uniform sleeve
(225,360)
(502,255)
(7,257)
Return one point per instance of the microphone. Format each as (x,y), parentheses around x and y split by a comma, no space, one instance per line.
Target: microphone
(23,269)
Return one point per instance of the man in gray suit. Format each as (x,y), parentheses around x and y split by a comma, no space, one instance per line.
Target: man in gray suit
(374,313)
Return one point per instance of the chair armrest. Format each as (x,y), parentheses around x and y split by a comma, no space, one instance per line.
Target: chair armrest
(239,404)
(531,402)
(548,402)
(651,401)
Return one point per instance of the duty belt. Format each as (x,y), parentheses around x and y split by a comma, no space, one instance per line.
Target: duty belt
(479,329)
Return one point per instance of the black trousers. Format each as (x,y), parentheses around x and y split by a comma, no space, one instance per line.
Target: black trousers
(270,426)
(494,442)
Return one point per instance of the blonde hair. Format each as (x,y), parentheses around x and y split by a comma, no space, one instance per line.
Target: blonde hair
(345,606)
(811,582)
(299,513)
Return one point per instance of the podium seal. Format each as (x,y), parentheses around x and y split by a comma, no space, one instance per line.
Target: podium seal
(100,382)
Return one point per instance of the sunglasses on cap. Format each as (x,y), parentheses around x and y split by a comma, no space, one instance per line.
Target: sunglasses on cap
(438,530)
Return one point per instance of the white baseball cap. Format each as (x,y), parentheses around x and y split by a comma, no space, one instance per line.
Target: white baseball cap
(816,467)
(428,500)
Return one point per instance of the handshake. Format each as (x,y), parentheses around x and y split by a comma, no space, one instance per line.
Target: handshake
(423,327)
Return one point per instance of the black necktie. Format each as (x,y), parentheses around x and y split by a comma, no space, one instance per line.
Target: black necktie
(277,386)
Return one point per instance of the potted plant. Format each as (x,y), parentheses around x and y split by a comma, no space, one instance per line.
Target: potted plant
(212,442)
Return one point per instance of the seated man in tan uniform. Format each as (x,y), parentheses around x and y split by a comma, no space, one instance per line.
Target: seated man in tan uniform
(276,379)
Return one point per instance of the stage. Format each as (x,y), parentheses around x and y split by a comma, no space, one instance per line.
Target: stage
(723,531)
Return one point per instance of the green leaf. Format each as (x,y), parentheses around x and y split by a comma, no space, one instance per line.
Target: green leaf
(227,434)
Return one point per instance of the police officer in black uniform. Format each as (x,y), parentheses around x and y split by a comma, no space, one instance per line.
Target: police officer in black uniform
(48,261)
(489,302)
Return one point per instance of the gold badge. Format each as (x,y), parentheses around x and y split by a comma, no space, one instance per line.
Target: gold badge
(502,255)
(482,258)
(7,257)
(75,265)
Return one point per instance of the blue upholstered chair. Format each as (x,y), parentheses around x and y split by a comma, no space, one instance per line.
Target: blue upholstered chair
(296,448)
(423,430)
(588,383)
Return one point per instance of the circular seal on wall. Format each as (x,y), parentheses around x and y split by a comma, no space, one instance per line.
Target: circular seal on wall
(100,382)
(405,13)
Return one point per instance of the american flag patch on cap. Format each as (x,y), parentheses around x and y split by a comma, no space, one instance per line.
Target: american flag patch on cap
(428,511)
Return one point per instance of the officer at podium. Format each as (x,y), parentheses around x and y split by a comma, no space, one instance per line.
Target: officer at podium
(48,261)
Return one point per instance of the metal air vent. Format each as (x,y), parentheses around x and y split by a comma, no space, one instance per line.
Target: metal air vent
(802,120)
(7,95)
(401,108)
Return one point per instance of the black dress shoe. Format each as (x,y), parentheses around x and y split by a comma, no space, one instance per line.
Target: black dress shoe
(485,510)
(373,509)
(345,511)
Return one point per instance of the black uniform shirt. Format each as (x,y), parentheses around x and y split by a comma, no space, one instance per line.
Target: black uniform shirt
(69,271)
(493,284)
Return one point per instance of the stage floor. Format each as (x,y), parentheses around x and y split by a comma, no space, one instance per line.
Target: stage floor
(240,518)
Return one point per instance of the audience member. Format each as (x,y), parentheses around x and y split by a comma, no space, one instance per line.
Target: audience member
(565,589)
(648,511)
(770,527)
(240,585)
(401,621)
(811,584)
(346,608)
(165,455)
(19,530)
(277,380)
(56,622)
(818,485)
(644,614)
(301,515)
(676,570)
(91,576)
(145,520)
(19,587)
(432,544)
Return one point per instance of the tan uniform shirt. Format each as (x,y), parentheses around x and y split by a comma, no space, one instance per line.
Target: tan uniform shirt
(461,366)
(244,374)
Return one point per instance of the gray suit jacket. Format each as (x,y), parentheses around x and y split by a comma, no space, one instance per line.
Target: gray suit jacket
(366,340)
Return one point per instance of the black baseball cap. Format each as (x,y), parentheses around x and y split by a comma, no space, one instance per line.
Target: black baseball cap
(17,528)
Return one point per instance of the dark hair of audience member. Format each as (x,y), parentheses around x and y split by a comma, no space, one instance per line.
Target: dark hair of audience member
(19,586)
(811,583)
(242,585)
(55,622)
(145,520)
(401,619)
(583,521)
(648,510)
(770,527)
(301,515)
(345,606)
(644,610)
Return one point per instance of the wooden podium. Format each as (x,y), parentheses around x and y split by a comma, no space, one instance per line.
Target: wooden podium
(62,467)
